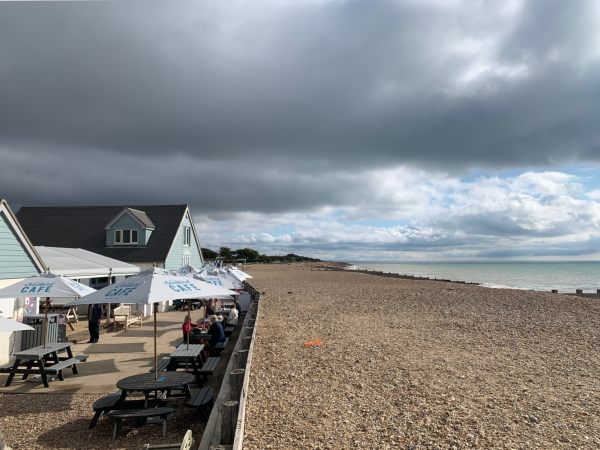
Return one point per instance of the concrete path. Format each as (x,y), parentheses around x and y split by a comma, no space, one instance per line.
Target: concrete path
(117,355)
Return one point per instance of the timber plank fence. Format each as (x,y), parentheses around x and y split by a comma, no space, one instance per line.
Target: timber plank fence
(225,426)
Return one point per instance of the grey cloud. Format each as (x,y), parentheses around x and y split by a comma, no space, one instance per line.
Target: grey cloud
(147,78)
(283,107)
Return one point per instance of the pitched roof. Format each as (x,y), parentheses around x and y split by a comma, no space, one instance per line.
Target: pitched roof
(83,227)
(141,217)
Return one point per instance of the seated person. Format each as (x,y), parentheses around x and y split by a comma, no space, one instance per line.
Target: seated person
(217,334)
(232,318)
(236,304)
(187,327)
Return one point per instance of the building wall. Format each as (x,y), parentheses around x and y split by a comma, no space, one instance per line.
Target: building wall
(175,259)
(126,222)
(15,262)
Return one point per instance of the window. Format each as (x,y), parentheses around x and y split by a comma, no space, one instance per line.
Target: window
(126,237)
(185,260)
(187,236)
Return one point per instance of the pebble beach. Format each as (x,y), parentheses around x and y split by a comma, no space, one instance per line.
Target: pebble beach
(352,360)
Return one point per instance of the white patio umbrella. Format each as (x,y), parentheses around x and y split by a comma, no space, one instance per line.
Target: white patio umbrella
(150,288)
(187,269)
(219,280)
(12,325)
(46,285)
(240,275)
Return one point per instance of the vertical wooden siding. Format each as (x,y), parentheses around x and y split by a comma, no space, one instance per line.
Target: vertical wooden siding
(15,261)
(175,257)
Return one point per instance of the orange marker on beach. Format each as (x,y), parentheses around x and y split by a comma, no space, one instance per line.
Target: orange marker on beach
(313,343)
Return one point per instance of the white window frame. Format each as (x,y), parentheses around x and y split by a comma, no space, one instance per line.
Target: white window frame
(185,260)
(121,235)
(187,236)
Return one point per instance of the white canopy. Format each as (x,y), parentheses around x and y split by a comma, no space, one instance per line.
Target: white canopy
(153,286)
(80,263)
(46,285)
(12,325)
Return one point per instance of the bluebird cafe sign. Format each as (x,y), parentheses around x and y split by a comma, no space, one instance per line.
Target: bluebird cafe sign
(126,288)
(182,286)
(37,288)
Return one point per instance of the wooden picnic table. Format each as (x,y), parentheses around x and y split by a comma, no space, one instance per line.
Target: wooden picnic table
(146,383)
(38,357)
(188,354)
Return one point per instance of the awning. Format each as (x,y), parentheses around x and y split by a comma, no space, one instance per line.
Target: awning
(80,263)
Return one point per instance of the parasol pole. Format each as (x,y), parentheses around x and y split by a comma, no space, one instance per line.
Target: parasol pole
(155,307)
(45,324)
(108,310)
(189,302)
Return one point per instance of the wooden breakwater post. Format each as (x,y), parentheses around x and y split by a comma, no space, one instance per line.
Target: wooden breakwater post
(246,341)
(579,291)
(229,421)
(236,381)
(555,291)
(241,358)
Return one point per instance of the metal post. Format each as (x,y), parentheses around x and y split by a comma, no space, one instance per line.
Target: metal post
(155,356)
(109,309)
(45,324)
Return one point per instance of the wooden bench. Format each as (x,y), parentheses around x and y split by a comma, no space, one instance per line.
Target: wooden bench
(202,400)
(162,365)
(209,366)
(141,417)
(105,404)
(122,316)
(64,364)
(220,346)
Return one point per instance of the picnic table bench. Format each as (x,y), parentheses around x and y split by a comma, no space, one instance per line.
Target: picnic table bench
(162,365)
(66,363)
(209,366)
(25,361)
(141,417)
(106,404)
(201,400)
(220,346)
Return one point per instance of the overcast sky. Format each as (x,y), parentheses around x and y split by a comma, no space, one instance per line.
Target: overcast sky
(351,130)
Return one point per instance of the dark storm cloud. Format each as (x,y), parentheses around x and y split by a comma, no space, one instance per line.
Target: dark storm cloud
(168,95)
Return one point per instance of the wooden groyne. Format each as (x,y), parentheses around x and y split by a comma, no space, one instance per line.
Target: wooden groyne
(379,273)
(340,267)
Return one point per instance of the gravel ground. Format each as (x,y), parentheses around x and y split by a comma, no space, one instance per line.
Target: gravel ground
(60,421)
(419,365)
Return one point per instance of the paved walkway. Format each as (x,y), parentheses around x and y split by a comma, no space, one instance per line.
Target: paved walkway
(117,355)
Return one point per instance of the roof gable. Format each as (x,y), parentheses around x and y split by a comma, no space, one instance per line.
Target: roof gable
(84,227)
(18,254)
(139,216)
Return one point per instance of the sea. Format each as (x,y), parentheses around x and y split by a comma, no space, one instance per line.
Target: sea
(565,277)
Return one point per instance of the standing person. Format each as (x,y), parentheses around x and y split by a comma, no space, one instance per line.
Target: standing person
(210,309)
(94,317)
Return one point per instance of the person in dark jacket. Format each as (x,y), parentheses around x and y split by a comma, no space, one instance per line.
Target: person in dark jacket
(217,333)
(94,317)
(236,303)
